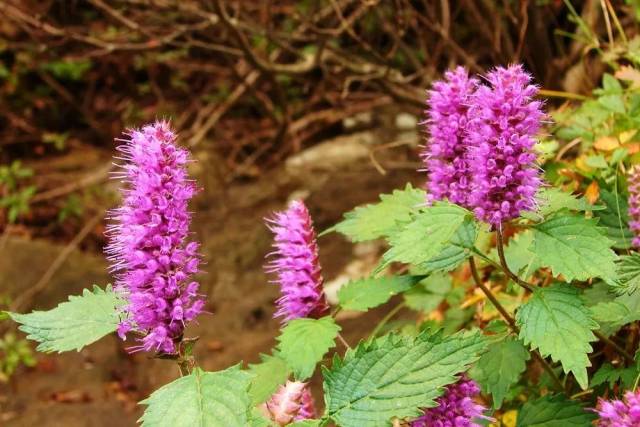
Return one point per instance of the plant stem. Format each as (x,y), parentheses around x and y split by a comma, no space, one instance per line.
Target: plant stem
(343,341)
(386,319)
(621,351)
(503,262)
(510,320)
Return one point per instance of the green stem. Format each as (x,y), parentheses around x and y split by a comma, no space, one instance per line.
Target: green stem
(386,319)
(505,267)
(510,320)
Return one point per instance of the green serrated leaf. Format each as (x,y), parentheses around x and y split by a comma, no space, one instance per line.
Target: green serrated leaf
(304,342)
(426,235)
(259,420)
(456,250)
(574,247)
(554,411)
(395,375)
(202,399)
(267,377)
(628,274)
(307,423)
(556,321)
(552,199)
(617,312)
(380,220)
(500,368)
(364,294)
(429,293)
(74,324)
(615,219)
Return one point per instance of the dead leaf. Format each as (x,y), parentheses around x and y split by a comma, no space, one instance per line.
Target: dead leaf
(593,192)
(629,74)
(606,143)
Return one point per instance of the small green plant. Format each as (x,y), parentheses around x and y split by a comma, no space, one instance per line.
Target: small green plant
(13,353)
(13,198)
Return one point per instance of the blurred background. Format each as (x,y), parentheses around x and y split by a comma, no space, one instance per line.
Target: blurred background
(315,99)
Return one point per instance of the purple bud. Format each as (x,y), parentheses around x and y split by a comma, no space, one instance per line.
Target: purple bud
(634,204)
(296,264)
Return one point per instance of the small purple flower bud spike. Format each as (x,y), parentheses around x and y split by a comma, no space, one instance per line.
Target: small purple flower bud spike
(148,247)
(504,122)
(634,204)
(296,264)
(620,413)
(456,407)
(292,402)
(447,120)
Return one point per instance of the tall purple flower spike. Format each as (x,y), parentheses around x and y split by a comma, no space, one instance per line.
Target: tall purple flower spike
(456,407)
(634,204)
(296,264)
(504,122)
(620,413)
(148,241)
(444,156)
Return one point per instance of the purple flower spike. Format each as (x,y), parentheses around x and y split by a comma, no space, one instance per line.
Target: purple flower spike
(634,204)
(456,407)
(505,121)
(296,264)
(148,245)
(620,413)
(447,121)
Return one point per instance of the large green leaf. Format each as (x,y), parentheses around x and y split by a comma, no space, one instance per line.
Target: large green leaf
(73,324)
(201,399)
(574,247)
(394,376)
(426,235)
(364,294)
(500,368)
(267,377)
(374,221)
(554,411)
(628,274)
(303,343)
(556,321)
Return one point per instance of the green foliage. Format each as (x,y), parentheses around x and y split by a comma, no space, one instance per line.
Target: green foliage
(15,199)
(68,69)
(364,294)
(500,368)
(456,250)
(519,253)
(202,399)
(552,199)
(554,411)
(608,374)
(628,274)
(393,376)
(574,247)
(267,377)
(426,235)
(13,353)
(615,218)
(73,324)
(382,219)
(556,321)
(304,342)
(614,313)
(429,293)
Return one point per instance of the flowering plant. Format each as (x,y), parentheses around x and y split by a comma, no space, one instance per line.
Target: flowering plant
(524,290)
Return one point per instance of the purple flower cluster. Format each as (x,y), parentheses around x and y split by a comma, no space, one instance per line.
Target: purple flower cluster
(445,154)
(292,402)
(296,264)
(456,407)
(634,204)
(148,245)
(620,413)
(492,168)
